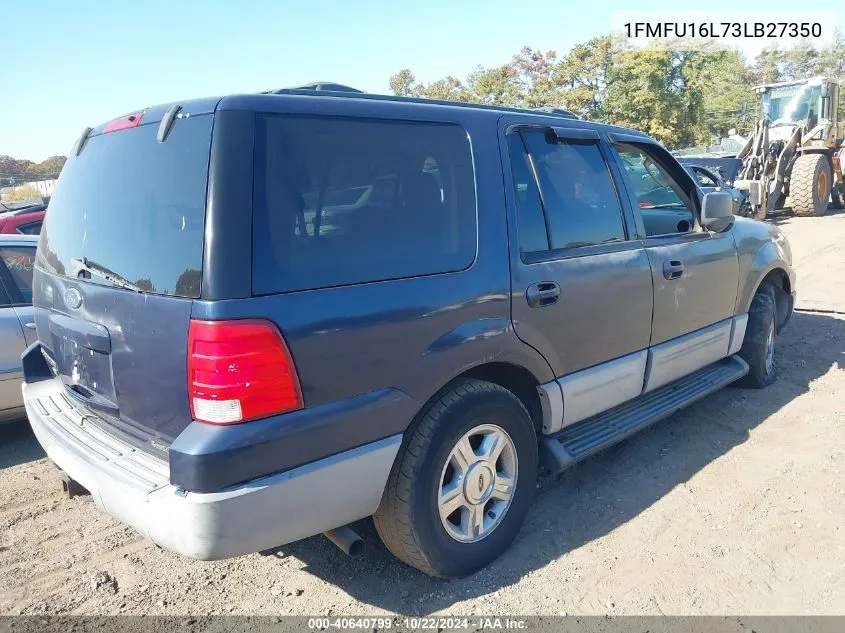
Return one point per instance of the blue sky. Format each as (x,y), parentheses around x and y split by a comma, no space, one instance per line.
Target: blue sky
(73,64)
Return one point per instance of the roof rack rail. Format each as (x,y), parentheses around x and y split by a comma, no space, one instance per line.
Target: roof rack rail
(321,86)
(353,93)
(553,110)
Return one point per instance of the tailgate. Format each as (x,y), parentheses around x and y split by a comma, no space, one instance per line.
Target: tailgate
(118,266)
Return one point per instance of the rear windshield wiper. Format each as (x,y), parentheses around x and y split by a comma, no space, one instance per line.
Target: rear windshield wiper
(98,270)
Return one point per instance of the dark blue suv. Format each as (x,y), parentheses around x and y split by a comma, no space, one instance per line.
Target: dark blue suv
(264,317)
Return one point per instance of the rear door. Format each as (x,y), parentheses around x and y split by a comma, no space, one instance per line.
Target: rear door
(695,271)
(12,341)
(18,265)
(119,263)
(582,288)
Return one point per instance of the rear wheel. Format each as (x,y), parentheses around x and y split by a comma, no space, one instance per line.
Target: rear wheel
(758,348)
(462,483)
(809,184)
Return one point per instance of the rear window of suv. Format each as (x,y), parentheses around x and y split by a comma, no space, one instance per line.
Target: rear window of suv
(341,201)
(135,207)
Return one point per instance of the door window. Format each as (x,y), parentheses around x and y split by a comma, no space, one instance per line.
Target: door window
(33,228)
(564,192)
(18,261)
(664,204)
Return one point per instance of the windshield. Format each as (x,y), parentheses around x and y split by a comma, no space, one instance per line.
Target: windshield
(793,105)
(130,211)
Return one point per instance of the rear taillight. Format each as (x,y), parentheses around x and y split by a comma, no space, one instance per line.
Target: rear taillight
(239,371)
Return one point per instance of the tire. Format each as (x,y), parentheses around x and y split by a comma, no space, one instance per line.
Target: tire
(760,339)
(408,519)
(809,184)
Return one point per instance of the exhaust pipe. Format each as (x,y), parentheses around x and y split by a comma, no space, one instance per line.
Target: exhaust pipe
(347,540)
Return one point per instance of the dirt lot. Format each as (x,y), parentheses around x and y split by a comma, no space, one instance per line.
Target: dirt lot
(733,506)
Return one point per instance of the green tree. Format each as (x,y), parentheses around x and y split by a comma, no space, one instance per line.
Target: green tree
(587,73)
(49,167)
(727,101)
(831,63)
(532,76)
(800,62)
(493,86)
(402,83)
(642,94)
(767,66)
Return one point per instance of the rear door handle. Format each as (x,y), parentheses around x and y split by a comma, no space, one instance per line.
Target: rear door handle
(542,294)
(673,269)
(30,325)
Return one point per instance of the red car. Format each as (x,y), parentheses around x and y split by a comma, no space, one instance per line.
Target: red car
(26,220)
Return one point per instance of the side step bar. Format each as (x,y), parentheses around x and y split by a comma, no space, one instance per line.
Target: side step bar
(581,440)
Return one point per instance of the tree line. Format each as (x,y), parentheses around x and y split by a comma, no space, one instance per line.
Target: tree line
(15,170)
(683,98)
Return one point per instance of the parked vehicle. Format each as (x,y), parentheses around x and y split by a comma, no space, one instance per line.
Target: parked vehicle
(26,220)
(314,307)
(17,257)
(711,180)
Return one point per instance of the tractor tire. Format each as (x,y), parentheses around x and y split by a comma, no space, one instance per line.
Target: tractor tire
(809,184)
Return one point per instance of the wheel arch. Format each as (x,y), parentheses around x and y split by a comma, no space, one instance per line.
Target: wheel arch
(513,376)
(779,280)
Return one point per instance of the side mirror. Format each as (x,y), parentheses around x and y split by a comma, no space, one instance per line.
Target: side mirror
(717,211)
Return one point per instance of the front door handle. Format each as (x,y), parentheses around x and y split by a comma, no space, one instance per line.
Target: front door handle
(673,269)
(30,325)
(542,294)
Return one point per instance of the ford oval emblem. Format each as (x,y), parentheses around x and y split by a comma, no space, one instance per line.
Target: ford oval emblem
(73,298)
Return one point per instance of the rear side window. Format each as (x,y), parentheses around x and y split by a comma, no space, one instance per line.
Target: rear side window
(19,261)
(33,228)
(133,206)
(341,201)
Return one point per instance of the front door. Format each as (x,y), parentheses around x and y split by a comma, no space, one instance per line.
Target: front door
(695,271)
(582,289)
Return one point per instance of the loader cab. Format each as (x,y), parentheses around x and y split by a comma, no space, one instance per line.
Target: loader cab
(806,103)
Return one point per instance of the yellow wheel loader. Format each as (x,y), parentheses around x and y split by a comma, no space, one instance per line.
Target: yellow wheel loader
(795,150)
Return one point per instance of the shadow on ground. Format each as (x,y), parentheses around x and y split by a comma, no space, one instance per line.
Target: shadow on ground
(17,444)
(782,215)
(598,495)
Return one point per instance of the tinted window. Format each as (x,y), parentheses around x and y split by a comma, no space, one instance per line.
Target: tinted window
(30,229)
(662,201)
(342,201)
(19,261)
(134,206)
(579,197)
(531,225)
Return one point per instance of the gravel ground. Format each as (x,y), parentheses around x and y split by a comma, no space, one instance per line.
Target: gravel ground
(733,506)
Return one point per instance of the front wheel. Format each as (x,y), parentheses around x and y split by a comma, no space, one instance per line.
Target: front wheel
(758,347)
(462,482)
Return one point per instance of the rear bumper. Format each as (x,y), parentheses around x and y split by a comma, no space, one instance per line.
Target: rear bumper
(256,515)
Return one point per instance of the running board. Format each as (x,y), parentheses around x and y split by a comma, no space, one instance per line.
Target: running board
(582,439)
